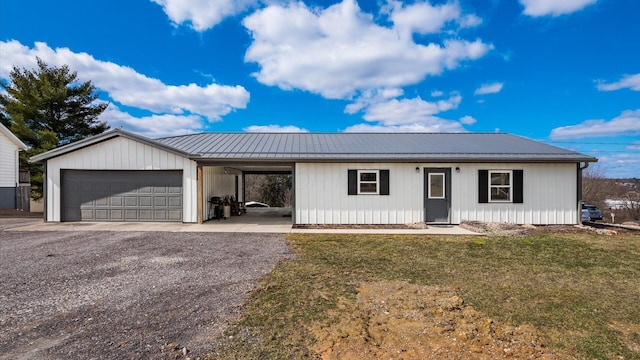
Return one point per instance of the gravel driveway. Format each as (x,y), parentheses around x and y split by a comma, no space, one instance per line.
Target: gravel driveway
(125,295)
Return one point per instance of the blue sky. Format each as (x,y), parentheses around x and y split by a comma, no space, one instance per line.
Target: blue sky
(566,72)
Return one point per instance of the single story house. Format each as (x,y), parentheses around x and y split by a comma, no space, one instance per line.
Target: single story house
(338,178)
(10,147)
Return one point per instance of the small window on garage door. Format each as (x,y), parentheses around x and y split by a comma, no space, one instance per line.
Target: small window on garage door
(121,195)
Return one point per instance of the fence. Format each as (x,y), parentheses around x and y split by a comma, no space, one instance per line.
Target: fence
(23,196)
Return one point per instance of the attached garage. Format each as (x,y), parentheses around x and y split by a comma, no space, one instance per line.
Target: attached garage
(119,176)
(110,195)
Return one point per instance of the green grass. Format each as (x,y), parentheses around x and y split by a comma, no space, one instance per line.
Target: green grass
(571,287)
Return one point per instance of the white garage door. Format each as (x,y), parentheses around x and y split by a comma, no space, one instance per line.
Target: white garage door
(122,195)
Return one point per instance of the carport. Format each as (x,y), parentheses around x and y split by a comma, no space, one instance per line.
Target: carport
(227,180)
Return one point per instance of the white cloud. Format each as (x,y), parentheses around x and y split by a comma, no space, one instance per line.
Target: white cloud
(624,165)
(537,8)
(627,123)
(153,126)
(409,111)
(436,93)
(372,96)
(203,14)
(126,86)
(468,120)
(275,129)
(422,17)
(436,125)
(489,89)
(469,21)
(628,81)
(410,115)
(340,51)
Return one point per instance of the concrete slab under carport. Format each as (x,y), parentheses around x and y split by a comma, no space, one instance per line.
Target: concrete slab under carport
(269,220)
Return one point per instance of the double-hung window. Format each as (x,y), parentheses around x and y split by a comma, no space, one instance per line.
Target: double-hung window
(500,186)
(368,181)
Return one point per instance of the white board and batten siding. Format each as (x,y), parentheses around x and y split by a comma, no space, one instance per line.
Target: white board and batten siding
(549,192)
(121,153)
(8,162)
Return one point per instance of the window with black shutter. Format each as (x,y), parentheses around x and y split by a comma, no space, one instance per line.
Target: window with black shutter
(368,182)
(500,186)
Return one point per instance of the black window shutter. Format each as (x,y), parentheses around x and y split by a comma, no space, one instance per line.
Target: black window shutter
(483,186)
(517,187)
(384,182)
(353,182)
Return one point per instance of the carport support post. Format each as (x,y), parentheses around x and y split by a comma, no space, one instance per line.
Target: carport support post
(200,200)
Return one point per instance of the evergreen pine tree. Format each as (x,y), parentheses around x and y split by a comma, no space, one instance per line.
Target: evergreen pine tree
(46,108)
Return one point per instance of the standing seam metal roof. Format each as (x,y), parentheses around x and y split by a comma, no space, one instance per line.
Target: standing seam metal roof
(369,146)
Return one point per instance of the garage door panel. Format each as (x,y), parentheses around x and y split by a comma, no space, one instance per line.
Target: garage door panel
(160,215)
(100,214)
(144,200)
(115,187)
(116,201)
(97,202)
(146,215)
(102,187)
(175,201)
(175,215)
(85,187)
(74,213)
(131,215)
(148,195)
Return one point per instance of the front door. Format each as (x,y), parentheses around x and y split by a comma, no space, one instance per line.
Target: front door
(437,195)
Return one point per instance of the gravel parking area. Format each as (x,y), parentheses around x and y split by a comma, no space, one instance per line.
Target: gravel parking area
(125,295)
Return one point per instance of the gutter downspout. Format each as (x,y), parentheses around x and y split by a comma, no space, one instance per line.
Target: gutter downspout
(579,189)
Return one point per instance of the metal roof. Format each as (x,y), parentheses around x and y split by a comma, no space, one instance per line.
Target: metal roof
(369,147)
(103,137)
(441,147)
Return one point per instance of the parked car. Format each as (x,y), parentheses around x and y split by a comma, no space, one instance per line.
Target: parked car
(585,215)
(255,204)
(594,212)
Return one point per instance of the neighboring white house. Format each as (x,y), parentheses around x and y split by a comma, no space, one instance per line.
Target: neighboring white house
(339,178)
(10,146)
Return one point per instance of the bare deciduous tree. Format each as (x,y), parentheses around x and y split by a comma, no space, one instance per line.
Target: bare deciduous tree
(596,187)
(275,190)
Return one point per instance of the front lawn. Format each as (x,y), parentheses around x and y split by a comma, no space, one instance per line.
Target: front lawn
(581,292)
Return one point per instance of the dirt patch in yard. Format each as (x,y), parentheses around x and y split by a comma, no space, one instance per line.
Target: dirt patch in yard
(509,229)
(398,320)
